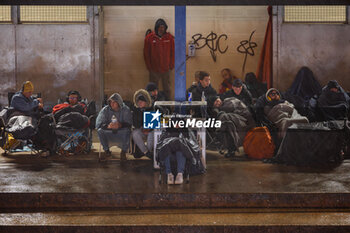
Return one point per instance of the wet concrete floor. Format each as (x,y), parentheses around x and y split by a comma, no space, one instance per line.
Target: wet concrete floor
(22,172)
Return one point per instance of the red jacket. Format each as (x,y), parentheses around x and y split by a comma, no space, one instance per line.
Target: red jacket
(159,52)
(226,85)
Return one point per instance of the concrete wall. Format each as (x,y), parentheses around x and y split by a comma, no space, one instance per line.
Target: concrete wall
(55,57)
(125,27)
(237,22)
(324,48)
(7,62)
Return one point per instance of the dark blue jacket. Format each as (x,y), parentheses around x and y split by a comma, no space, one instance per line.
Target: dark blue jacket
(23,104)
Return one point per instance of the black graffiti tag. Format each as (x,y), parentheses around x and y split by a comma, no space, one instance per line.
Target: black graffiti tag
(246,47)
(212,41)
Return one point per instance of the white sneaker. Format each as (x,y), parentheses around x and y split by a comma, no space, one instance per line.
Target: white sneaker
(170,178)
(179,178)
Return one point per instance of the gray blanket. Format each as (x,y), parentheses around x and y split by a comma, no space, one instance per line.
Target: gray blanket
(236,119)
(284,115)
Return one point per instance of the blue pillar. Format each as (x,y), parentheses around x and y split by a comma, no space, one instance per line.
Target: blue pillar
(180,53)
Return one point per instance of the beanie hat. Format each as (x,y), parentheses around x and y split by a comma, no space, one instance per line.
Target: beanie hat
(237,83)
(333,84)
(151,87)
(28,86)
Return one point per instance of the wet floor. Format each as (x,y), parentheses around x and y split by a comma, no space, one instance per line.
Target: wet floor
(22,172)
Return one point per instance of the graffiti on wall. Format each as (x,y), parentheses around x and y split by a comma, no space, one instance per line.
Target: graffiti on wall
(247,47)
(216,43)
(212,41)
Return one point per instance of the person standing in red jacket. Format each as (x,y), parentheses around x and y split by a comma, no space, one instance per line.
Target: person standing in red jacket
(159,54)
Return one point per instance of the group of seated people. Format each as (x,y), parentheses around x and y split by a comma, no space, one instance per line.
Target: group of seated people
(240,106)
(240,110)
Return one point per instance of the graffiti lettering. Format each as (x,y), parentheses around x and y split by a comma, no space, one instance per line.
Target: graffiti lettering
(246,47)
(212,41)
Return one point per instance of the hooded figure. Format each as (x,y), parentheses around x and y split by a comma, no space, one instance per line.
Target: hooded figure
(280,112)
(142,103)
(333,103)
(265,100)
(159,53)
(255,87)
(113,123)
(305,84)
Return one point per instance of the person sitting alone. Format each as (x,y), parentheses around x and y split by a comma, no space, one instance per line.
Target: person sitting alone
(176,145)
(113,124)
(143,102)
(24,102)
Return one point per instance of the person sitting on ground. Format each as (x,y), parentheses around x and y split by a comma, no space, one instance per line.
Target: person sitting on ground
(255,87)
(201,92)
(178,145)
(333,103)
(113,123)
(278,111)
(236,120)
(24,102)
(196,78)
(155,94)
(203,87)
(142,103)
(240,91)
(72,104)
(228,77)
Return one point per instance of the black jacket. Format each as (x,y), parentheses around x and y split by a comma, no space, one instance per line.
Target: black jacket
(174,140)
(245,95)
(197,92)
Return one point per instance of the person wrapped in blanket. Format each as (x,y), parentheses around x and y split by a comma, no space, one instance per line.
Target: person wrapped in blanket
(71,113)
(236,121)
(175,146)
(239,90)
(275,109)
(333,103)
(142,103)
(23,114)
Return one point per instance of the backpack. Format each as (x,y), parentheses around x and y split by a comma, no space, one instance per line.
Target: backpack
(258,143)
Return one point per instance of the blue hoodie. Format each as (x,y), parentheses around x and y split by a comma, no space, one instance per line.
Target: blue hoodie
(24,104)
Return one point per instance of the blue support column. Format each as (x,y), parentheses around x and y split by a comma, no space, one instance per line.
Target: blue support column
(180,53)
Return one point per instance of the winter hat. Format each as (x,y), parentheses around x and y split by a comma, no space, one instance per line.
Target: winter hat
(27,86)
(332,84)
(270,90)
(237,83)
(151,87)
